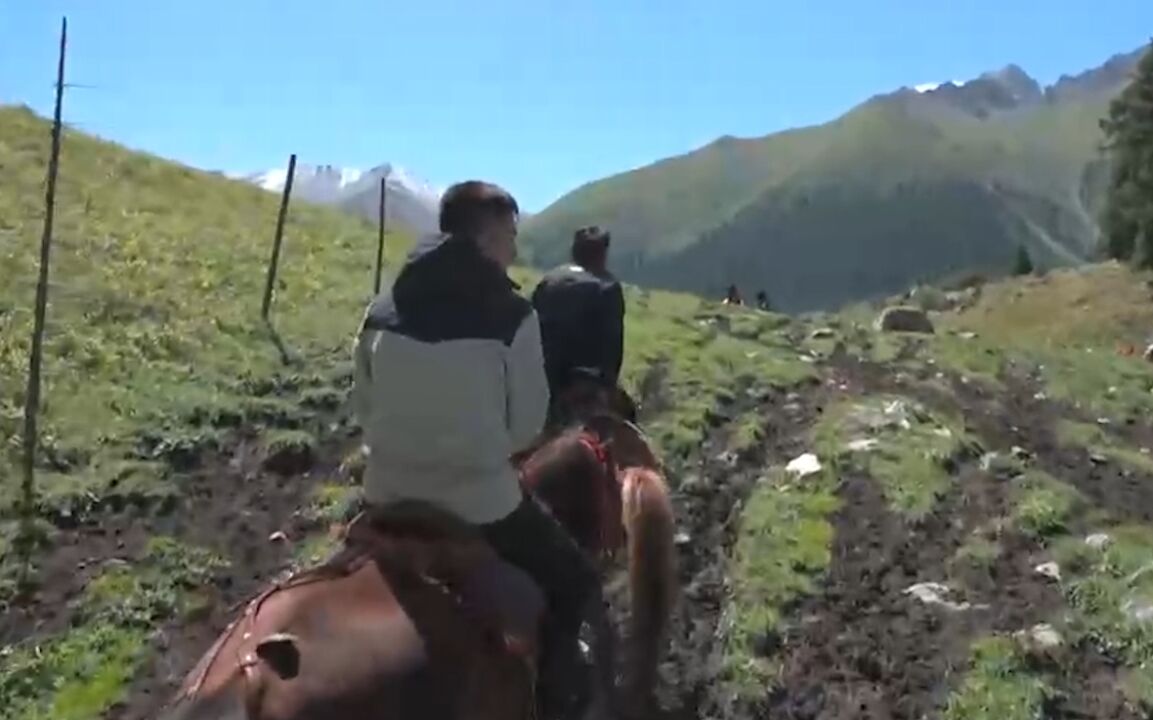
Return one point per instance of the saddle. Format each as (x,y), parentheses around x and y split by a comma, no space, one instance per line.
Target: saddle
(433,547)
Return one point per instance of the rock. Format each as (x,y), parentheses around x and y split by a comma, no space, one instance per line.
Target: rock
(1137,610)
(1041,639)
(1098,459)
(934,593)
(967,336)
(804,465)
(1098,541)
(759,393)
(692,483)
(904,319)
(1000,466)
(862,444)
(727,459)
(682,538)
(1020,453)
(1148,355)
(1050,570)
(822,334)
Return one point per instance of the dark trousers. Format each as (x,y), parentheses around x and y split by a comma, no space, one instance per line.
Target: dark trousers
(533,541)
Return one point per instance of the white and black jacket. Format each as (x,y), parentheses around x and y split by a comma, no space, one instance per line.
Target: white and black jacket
(449,382)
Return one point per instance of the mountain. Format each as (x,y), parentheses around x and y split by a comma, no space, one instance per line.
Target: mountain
(911,185)
(411,203)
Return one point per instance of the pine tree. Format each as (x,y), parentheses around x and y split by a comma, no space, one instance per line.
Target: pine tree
(1024,265)
(1127,219)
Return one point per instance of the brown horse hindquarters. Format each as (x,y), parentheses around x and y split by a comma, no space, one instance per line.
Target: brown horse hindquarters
(352,643)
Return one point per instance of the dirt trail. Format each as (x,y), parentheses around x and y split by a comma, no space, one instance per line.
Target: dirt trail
(708,494)
(1019,415)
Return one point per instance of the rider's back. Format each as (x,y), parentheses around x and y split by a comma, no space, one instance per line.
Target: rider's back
(446,388)
(580,315)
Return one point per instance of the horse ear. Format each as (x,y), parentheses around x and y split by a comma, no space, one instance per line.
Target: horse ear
(281,654)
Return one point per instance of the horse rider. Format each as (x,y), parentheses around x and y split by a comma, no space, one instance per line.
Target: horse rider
(582,320)
(449,382)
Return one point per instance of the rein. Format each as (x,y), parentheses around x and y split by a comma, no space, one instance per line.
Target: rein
(607,494)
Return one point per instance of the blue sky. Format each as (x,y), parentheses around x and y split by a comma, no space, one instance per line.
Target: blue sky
(538,95)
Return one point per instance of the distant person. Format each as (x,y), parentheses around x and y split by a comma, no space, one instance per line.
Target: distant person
(763,301)
(582,319)
(733,297)
(449,382)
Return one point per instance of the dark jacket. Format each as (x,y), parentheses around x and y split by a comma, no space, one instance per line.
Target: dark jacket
(582,321)
(449,382)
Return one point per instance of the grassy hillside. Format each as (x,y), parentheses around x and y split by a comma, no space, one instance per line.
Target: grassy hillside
(176,439)
(157,277)
(971,542)
(906,186)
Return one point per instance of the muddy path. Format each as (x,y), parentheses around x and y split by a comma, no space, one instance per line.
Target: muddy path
(708,494)
(861,647)
(1019,416)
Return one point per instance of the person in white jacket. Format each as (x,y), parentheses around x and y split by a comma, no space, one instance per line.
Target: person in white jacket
(449,382)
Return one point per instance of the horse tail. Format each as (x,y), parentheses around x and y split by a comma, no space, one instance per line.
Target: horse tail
(652,569)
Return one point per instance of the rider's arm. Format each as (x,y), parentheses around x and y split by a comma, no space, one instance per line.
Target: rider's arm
(614,329)
(526,383)
(362,374)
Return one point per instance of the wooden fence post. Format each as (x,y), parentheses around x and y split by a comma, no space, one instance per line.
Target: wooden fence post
(36,355)
(380,235)
(274,262)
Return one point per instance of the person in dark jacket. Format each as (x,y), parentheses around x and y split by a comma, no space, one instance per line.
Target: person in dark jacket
(582,316)
(449,382)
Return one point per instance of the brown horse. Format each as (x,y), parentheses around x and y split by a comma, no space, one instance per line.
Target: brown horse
(417,618)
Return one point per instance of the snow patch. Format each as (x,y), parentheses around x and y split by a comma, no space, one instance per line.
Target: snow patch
(929,87)
(411,202)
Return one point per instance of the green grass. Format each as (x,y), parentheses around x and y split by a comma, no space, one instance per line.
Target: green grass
(980,550)
(783,543)
(1043,505)
(157,275)
(998,685)
(1093,438)
(1101,309)
(703,359)
(746,433)
(970,357)
(79,674)
(909,463)
(1100,585)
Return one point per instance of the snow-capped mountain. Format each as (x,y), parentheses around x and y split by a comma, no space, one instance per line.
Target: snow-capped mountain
(1011,89)
(410,202)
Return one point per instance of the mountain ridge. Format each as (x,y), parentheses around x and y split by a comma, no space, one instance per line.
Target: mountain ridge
(1022,156)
